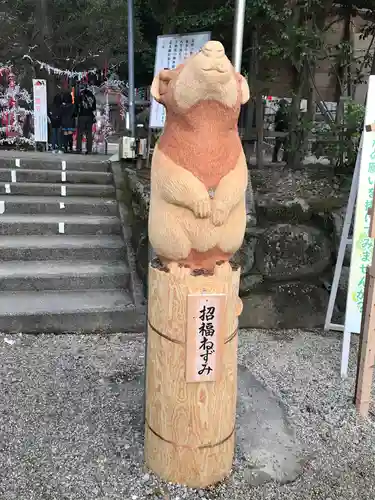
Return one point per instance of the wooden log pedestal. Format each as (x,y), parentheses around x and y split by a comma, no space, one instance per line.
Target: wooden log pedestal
(190,418)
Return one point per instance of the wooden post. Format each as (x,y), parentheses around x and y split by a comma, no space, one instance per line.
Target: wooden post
(366,356)
(190,425)
(360,346)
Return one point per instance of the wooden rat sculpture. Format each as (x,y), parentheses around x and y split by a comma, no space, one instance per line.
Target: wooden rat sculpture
(199,172)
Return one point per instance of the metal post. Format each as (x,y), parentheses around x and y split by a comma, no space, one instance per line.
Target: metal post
(238,28)
(131,67)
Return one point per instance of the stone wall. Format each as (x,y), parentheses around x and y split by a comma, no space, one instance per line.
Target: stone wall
(287,259)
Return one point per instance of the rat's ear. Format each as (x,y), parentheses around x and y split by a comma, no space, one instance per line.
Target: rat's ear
(245,91)
(155,92)
(160,84)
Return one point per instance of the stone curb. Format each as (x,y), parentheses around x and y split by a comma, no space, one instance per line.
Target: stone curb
(136,288)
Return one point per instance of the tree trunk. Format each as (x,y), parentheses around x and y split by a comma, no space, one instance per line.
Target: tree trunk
(310,114)
(258,102)
(169,25)
(44,30)
(339,125)
(343,70)
(348,39)
(260,128)
(295,142)
(251,81)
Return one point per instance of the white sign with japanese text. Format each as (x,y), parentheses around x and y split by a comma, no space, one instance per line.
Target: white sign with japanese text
(172,50)
(40,111)
(204,336)
(362,244)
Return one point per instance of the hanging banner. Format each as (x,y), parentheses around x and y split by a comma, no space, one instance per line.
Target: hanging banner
(40,111)
(362,245)
(172,50)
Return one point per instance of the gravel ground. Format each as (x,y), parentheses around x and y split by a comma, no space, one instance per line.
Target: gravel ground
(71,420)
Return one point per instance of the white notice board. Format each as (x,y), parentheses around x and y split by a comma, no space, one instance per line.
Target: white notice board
(172,50)
(40,110)
(362,245)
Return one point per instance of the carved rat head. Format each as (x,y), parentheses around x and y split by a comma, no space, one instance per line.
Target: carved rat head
(206,76)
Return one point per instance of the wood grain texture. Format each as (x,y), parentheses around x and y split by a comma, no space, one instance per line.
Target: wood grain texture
(196,468)
(189,435)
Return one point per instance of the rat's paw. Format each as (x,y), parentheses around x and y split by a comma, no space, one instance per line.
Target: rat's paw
(219,213)
(202,208)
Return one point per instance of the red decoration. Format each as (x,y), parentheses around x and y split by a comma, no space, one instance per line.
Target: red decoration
(10,117)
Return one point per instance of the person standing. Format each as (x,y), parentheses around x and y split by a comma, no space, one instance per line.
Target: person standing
(281,125)
(54,115)
(68,121)
(86,107)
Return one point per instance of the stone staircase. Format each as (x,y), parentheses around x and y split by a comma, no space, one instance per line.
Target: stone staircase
(63,258)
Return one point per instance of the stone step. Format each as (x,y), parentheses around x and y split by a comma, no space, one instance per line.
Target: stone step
(55,162)
(31,248)
(57,205)
(63,275)
(83,311)
(62,176)
(58,224)
(57,189)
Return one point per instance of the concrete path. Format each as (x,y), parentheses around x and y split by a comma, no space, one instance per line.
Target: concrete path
(71,422)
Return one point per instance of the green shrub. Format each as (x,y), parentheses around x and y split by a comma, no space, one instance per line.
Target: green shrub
(339,142)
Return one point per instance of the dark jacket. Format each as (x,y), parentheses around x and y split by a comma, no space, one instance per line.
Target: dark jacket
(86,104)
(54,112)
(282,119)
(68,116)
